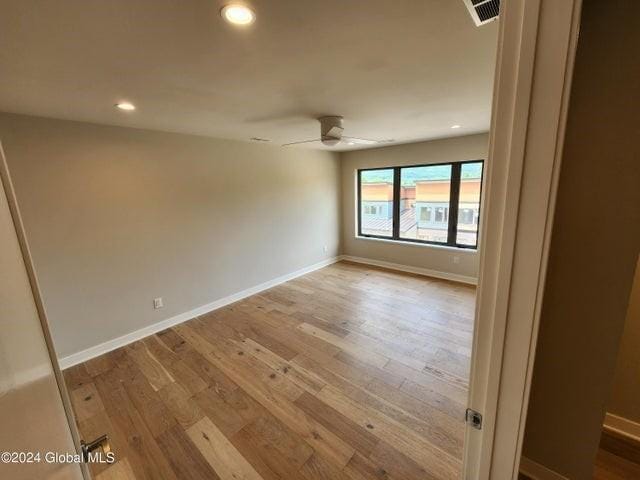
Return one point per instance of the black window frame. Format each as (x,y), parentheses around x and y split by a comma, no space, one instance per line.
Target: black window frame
(454,202)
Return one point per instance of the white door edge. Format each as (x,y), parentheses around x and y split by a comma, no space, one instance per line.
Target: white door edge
(537,42)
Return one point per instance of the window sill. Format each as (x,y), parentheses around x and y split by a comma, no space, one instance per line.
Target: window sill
(416,244)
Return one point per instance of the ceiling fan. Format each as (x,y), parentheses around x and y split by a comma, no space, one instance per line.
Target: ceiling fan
(331,128)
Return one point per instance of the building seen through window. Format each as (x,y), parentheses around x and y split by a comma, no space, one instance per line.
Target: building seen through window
(428,196)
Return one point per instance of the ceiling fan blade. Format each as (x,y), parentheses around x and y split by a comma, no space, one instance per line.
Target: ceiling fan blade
(360,141)
(303,141)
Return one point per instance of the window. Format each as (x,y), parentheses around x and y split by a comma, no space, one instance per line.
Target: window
(425,214)
(437,204)
(469,204)
(376,202)
(370,210)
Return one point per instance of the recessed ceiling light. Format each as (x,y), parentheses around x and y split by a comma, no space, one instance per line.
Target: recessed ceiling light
(455,126)
(350,143)
(125,106)
(238,14)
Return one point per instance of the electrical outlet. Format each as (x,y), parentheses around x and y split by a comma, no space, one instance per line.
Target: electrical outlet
(325,248)
(157,303)
(456,259)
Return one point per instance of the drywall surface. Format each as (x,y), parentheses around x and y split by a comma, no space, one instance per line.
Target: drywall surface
(472,147)
(594,245)
(625,393)
(116,217)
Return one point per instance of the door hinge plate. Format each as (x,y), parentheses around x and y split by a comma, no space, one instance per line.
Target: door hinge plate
(473,418)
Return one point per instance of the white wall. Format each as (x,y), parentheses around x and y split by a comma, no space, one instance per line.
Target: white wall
(117,216)
(471,147)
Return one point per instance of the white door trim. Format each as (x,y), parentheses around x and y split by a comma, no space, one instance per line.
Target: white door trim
(536,49)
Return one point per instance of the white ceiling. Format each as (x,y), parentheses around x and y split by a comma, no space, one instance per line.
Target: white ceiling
(401,69)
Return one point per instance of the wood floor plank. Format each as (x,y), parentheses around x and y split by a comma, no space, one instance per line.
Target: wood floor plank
(344,362)
(244,405)
(121,470)
(244,326)
(179,402)
(297,340)
(349,372)
(304,379)
(437,396)
(443,359)
(147,401)
(172,340)
(160,352)
(362,468)
(365,354)
(157,375)
(434,460)
(317,468)
(146,459)
(208,372)
(438,427)
(242,355)
(86,401)
(185,459)
(76,376)
(266,462)
(612,467)
(220,412)
(395,463)
(315,319)
(452,390)
(129,433)
(272,448)
(318,437)
(352,433)
(98,365)
(220,453)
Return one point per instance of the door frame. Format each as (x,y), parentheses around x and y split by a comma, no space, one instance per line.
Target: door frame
(5,179)
(536,50)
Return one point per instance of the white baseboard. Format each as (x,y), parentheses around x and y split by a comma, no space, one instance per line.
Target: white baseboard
(115,343)
(417,270)
(538,472)
(623,426)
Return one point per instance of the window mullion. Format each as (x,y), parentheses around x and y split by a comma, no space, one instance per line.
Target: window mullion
(454,197)
(396,203)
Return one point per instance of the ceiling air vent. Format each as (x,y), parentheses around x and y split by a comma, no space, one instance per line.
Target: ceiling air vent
(483,11)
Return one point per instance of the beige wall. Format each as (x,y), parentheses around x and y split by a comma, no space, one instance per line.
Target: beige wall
(472,147)
(594,246)
(116,217)
(625,392)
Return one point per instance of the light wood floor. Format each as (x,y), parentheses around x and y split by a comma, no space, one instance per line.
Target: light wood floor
(618,458)
(349,372)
